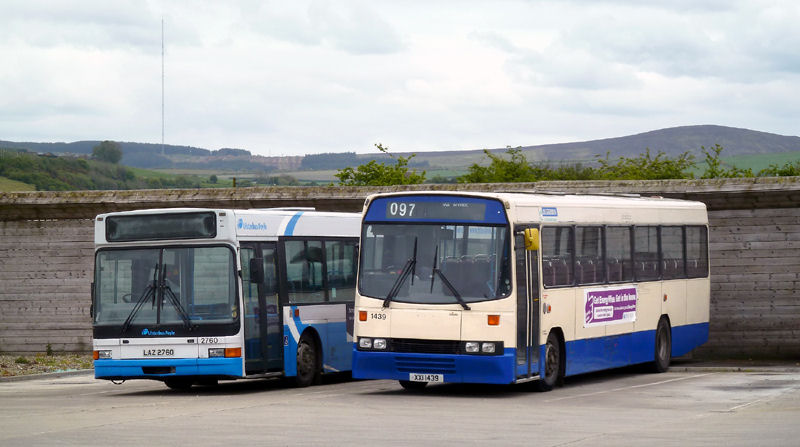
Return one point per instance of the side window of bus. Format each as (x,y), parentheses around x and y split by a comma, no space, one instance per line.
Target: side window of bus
(672,264)
(646,259)
(304,271)
(696,252)
(619,261)
(589,266)
(341,258)
(557,256)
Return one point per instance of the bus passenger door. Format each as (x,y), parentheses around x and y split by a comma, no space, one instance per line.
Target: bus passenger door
(527,282)
(262,325)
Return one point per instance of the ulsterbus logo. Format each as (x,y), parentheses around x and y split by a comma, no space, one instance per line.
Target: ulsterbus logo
(242,225)
(146,331)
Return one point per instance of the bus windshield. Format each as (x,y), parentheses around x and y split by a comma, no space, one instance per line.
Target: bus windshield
(177,288)
(435,263)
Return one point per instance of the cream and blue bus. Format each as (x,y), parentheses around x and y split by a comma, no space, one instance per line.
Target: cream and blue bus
(515,287)
(192,296)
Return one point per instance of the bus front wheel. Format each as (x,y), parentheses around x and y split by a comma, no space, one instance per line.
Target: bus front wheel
(306,362)
(552,363)
(663,351)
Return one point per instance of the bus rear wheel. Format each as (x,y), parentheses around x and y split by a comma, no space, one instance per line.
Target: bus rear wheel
(552,364)
(412,386)
(663,351)
(306,362)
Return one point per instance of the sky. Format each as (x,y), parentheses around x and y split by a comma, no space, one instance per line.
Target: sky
(301,77)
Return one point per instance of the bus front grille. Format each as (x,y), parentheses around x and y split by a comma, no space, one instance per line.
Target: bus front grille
(425,365)
(426,346)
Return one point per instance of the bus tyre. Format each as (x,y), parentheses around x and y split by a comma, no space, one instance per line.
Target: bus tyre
(663,351)
(552,364)
(179,383)
(306,362)
(412,386)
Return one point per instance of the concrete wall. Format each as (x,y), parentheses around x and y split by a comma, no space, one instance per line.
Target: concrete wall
(46,253)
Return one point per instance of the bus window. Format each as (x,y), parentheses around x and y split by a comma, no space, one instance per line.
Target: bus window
(646,256)
(589,266)
(696,252)
(304,271)
(619,261)
(672,252)
(341,264)
(557,259)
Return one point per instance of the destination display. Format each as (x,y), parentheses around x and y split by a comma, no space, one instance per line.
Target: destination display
(148,227)
(444,208)
(435,210)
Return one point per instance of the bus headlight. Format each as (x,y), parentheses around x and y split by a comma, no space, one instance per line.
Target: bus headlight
(103,354)
(216,352)
(379,343)
(365,343)
(482,347)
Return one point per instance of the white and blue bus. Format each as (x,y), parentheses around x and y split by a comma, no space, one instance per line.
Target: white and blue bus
(515,287)
(192,296)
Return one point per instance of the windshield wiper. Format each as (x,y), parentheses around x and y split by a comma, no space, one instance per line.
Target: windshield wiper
(176,303)
(408,269)
(445,281)
(148,293)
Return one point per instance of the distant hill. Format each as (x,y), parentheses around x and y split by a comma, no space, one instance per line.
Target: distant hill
(151,156)
(672,141)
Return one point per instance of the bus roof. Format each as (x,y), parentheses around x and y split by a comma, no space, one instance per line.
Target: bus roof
(563,207)
(256,223)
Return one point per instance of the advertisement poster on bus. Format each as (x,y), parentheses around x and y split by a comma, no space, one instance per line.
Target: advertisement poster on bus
(609,306)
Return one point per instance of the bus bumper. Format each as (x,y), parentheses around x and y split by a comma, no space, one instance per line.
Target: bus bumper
(166,368)
(458,368)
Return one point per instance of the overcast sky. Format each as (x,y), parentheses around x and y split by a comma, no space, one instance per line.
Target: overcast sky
(297,77)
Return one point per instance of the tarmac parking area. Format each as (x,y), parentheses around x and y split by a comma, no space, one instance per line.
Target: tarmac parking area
(685,406)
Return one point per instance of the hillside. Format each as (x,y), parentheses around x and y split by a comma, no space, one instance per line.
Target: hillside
(672,141)
(147,155)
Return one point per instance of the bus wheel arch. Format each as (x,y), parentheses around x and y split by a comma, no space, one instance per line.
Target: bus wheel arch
(309,359)
(662,354)
(554,361)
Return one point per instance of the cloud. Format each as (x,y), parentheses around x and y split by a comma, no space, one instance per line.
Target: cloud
(352,27)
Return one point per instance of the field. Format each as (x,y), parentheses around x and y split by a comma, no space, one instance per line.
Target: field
(8,185)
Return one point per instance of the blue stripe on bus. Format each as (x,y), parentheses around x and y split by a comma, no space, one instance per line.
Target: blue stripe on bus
(582,356)
(292,223)
(132,369)
(455,368)
(336,353)
(614,351)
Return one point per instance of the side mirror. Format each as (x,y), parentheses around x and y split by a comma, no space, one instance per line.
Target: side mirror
(256,270)
(532,239)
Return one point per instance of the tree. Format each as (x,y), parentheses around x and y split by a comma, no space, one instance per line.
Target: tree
(516,168)
(381,174)
(646,167)
(108,151)
(715,168)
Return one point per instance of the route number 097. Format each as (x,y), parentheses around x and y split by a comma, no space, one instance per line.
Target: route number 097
(401,209)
